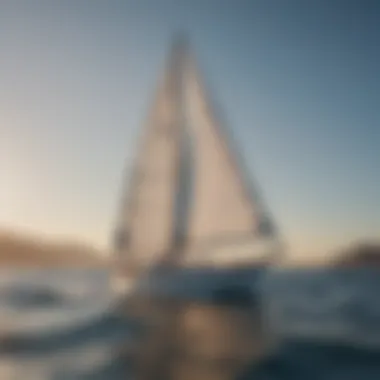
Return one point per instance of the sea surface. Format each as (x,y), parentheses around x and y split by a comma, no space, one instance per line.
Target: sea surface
(322,324)
(62,326)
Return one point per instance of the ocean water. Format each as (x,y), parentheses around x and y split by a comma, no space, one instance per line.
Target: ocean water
(321,324)
(60,325)
(325,324)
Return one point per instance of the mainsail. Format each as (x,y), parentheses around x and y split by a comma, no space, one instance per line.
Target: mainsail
(146,225)
(190,200)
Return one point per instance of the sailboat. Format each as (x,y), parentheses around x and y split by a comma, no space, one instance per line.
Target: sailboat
(189,204)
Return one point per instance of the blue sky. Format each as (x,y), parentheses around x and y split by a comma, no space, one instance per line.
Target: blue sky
(299,82)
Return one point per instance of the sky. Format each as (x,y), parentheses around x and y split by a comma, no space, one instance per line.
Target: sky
(299,82)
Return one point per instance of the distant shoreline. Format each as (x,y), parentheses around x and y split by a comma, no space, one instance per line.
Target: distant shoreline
(20,251)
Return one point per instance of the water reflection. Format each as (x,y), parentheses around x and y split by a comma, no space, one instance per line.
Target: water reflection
(186,339)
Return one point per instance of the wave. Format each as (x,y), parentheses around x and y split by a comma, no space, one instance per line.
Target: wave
(61,325)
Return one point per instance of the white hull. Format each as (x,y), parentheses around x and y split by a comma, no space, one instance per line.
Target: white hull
(250,253)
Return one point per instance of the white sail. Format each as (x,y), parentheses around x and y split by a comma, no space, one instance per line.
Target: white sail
(146,225)
(225,220)
(189,201)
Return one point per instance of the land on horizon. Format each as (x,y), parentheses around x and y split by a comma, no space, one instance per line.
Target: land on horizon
(19,250)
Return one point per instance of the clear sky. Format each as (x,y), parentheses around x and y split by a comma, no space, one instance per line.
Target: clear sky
(298,80)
